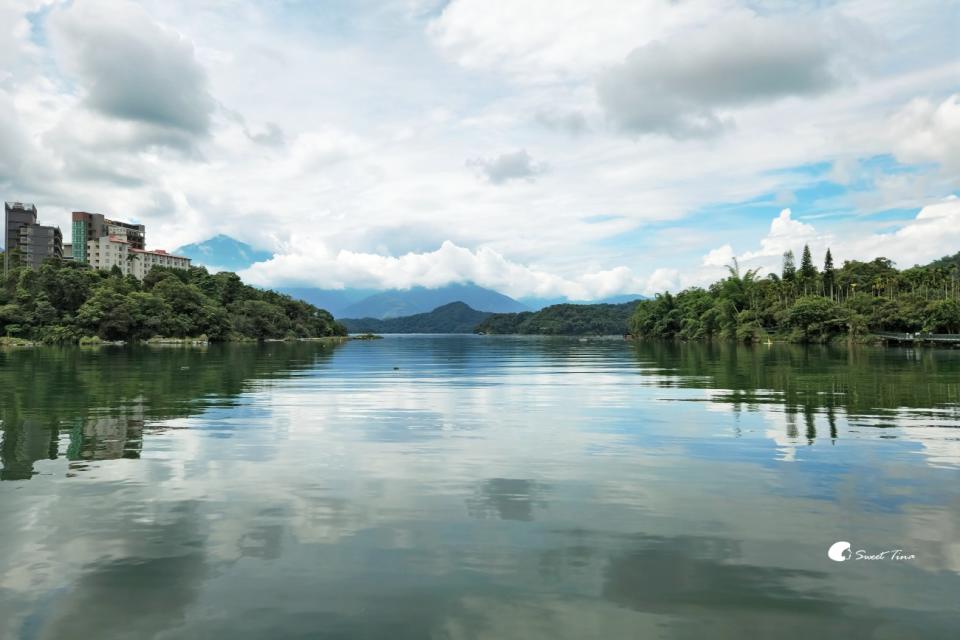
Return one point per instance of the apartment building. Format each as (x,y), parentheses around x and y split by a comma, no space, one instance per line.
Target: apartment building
(31,241)
(87,227)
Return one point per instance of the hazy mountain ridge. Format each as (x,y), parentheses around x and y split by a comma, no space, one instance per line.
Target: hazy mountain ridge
(416,300)
(456,317)
(225,252)
(563,319)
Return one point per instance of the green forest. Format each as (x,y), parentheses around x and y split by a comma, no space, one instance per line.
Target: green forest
(456,317)
(804,303)
(64,303)
(563,320)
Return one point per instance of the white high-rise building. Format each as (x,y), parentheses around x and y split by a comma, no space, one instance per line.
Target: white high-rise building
(109,251)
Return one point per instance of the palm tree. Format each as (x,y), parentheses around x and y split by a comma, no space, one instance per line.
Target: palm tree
(740,287)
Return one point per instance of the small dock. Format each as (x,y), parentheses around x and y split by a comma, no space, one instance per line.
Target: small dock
(946,339)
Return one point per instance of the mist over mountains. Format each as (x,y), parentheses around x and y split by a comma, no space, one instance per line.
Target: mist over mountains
(223,252)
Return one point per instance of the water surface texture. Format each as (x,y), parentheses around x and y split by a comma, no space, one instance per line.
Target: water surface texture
(478,487)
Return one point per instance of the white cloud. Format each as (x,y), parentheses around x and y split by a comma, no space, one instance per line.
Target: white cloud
(928,132)
(308,264)
(662,279)
(512,165)
(719,257)
(679,86)
(786,234)
(933,233)
(131,68)
(570,121)
(353,133)
(550,39)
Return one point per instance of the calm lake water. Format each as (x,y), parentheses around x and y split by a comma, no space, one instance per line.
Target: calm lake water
(478,487)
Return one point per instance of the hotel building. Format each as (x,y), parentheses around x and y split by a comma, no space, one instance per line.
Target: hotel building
(104,243)
(111,251)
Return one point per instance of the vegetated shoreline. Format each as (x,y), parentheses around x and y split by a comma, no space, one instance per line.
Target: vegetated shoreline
(867,339)
(63,303)
(578,320)
(201,341)
(804,304)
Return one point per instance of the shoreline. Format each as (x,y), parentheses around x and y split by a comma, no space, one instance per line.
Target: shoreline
(20,343)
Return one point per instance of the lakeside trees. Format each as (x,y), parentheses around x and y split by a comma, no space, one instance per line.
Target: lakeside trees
(810,305)
(562,320)
(62,302)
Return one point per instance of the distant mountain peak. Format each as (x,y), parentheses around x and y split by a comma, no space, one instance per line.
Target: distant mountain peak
(405,302)
(452,306)
(453,317)
(223,252)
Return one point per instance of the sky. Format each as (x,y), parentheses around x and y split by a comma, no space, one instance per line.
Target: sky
(542,148)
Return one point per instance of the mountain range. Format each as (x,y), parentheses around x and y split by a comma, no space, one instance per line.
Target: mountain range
(224,252)
(455,317)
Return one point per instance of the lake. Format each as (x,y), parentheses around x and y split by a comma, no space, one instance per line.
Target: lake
(474,487)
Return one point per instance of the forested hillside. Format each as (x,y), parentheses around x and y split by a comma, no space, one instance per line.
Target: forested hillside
(62,302)
(455,317)
(563,319)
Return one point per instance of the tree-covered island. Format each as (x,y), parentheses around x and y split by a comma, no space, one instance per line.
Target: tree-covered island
(64,303)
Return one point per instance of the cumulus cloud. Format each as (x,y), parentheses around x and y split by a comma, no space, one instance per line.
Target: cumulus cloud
(11,140)
(719,257)
(933,233)
(375,177)
(679,86)
(550,39)
(271,135)
(17,51)
(512,165)
(928,132)
(131,68)
(448,264)
(572,122)
(662,279)
(785,234)
(315,150)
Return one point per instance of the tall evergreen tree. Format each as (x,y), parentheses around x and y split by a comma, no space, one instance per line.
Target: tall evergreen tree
(808,272)
(789,267)
(829,274)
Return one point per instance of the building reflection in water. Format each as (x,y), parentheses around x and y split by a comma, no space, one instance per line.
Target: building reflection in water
(23,443)
(93,405)
(28,441)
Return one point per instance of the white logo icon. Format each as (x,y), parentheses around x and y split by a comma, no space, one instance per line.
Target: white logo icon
(839,551)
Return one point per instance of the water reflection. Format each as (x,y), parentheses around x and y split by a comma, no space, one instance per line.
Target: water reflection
(105,398)
(140,595)
(861,381)
(507,499)
(483,488)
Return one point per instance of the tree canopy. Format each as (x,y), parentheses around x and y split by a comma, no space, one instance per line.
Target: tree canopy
(807,305)
(62,302)
(563,319)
